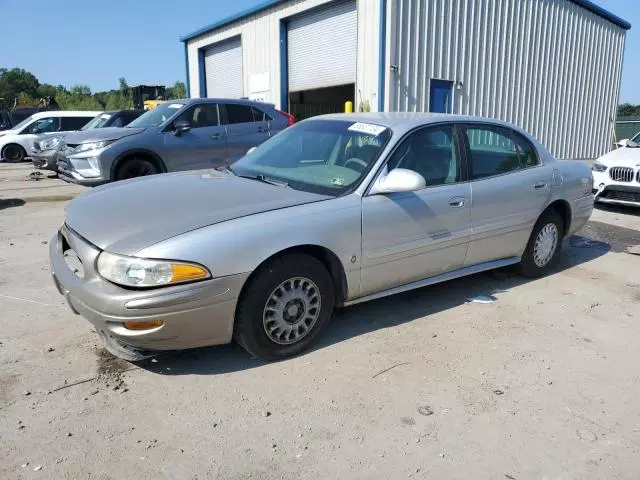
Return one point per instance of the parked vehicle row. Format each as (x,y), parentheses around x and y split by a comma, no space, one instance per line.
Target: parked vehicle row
(333,211)
(45,147)
(17,142)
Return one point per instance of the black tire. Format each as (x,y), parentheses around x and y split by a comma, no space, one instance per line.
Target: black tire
(532,266)
(13,153)
(136,167)
(254,315)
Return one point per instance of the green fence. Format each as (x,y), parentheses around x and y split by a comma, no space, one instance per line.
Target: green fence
(627,127)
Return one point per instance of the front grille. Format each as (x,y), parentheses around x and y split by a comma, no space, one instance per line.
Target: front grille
(621,195)
(621,174)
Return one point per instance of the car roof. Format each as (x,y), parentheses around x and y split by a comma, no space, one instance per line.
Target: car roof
(240,101)
(114,112)
(408,119)
(66,113)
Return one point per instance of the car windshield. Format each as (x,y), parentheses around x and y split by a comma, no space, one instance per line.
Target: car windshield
(329,157)
(636,139)
(157,116)
(24,123)
(97,122)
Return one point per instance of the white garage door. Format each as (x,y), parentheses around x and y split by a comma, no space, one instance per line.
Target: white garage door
(322,48)
(223,69)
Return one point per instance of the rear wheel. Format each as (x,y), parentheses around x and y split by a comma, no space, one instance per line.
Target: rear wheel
(136,167)
(544,244)
(284,307)
(13,153)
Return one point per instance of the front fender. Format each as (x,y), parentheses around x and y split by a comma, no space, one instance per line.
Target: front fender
(241,245)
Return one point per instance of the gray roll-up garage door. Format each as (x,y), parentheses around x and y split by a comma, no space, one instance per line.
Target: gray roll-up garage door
(322,48)
(223,69)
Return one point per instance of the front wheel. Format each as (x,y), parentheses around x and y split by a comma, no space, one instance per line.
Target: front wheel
(284,307)
(13,153)
(136,167)
(543,246)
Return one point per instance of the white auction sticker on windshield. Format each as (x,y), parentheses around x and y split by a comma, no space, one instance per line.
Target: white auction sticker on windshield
(105,116)
(176,105)
(368,128)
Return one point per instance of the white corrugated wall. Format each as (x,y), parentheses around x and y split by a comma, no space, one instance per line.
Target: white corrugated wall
(548,66)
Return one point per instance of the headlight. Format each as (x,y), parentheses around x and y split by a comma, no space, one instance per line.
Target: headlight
(140,272)
(85,147)
(48,143)
(598,167)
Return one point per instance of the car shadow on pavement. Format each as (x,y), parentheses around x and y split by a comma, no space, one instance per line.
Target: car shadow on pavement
(623,209)
(11,202)
(379,314)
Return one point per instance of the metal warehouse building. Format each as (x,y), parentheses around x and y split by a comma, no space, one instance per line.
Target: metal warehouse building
(553,67)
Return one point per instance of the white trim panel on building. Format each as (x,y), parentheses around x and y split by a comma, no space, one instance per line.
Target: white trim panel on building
(223,69)
(551,67)
(322,48)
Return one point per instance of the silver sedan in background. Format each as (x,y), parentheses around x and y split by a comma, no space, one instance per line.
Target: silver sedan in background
(333,211)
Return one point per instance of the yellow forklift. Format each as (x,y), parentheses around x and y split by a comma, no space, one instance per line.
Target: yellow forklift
(147,97)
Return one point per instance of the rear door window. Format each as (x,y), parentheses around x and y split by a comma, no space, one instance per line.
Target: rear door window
(493,151)
(528,156)
(260,116)
(239,113)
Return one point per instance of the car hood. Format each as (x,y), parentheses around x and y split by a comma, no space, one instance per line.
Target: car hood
(99,134)
(7,135)
(125,217)
(8,132)
(622,157)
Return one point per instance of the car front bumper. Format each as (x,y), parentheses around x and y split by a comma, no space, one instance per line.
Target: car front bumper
(614,192)
(193,315)
(45,160)
(67,173)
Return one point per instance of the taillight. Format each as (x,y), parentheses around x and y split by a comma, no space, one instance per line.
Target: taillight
(290,118)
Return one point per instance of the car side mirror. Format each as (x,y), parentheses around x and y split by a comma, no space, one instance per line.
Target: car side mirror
(181,127)
(399,180)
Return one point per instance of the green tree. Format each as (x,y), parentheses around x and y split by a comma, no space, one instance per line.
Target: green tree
(118,100)
(46,90)
(179,90)
(16,81)
(628,110)
(81,90)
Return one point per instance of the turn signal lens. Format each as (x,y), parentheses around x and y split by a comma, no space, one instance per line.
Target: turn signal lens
(187,273)
(148,325)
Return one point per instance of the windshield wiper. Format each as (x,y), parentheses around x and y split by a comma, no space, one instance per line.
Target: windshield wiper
(263,179)
(225,169)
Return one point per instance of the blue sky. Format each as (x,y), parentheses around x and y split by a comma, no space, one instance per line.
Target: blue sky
(81,42)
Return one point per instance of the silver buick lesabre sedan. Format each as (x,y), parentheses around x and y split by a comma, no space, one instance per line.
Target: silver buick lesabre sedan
(333,211)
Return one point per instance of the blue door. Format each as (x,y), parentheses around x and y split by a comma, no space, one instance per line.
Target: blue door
(440,95)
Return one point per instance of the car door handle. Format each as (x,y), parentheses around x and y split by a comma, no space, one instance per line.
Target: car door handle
(540,186)
(217,136)
(262,129)
(457,202)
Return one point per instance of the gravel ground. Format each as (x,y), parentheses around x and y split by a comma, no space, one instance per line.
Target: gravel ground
(542,383)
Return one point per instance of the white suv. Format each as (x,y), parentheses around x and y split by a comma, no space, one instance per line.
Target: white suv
(15,143)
